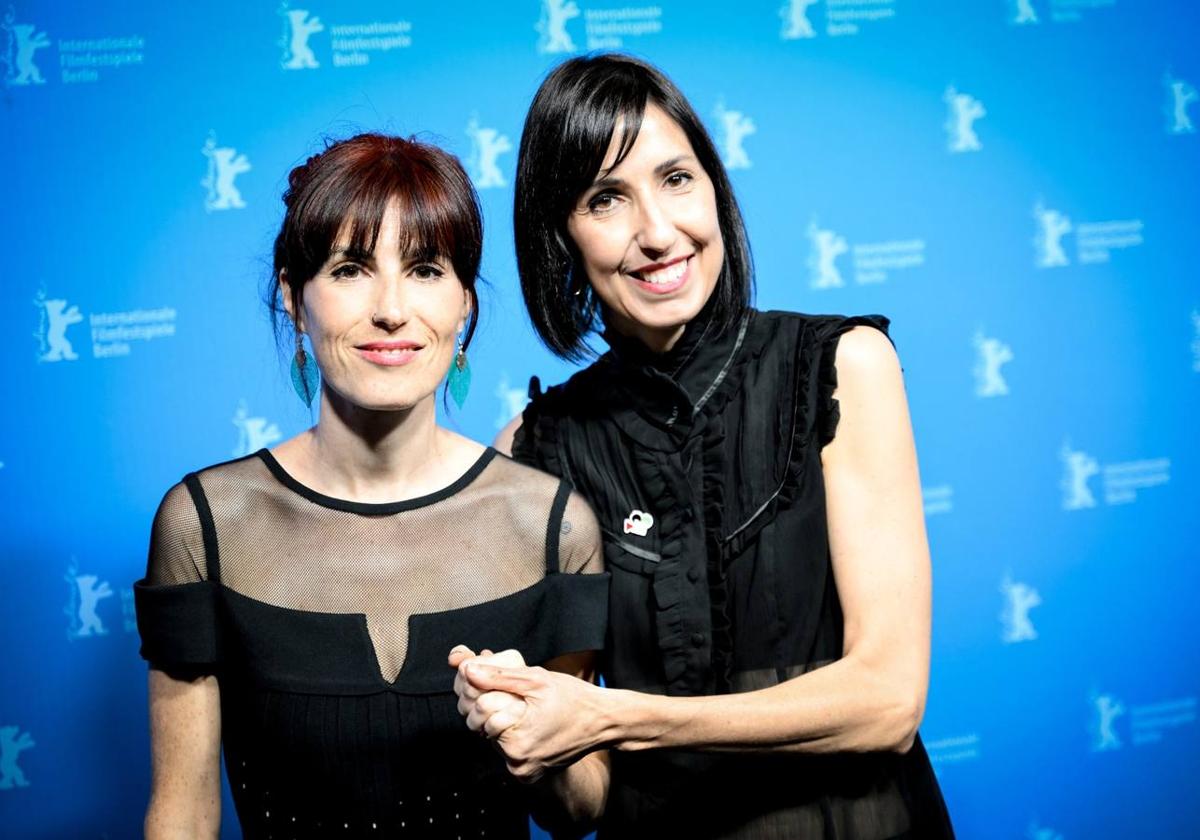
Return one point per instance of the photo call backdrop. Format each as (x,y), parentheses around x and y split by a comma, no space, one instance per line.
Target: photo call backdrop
(1015,184)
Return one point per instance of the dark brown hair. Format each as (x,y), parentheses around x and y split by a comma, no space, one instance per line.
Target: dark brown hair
(352,182)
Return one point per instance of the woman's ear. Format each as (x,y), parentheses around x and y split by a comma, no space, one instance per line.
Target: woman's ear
(467,308)
(289,304)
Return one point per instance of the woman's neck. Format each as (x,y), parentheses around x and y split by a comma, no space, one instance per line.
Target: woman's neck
(377,456)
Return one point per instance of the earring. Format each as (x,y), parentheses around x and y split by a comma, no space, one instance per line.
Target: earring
(459,380)
(305,377)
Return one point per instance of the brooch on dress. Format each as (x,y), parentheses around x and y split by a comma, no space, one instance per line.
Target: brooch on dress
(638,522)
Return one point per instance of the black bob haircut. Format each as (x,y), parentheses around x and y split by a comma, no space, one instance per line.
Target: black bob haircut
(566,136)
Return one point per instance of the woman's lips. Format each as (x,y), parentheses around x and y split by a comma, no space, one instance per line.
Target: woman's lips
(389,354)
(670,278)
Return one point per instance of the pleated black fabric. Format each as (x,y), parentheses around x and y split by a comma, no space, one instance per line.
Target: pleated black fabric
(718,442)
(328,624)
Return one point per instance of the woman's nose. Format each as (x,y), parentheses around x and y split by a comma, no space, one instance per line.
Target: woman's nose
(390,304)
(657,232)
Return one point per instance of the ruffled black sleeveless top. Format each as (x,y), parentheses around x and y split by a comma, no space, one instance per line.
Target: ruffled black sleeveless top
(328,622)
(703,467)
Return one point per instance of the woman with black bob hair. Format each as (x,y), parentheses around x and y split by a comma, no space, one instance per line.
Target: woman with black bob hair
(299,602)
(755,481)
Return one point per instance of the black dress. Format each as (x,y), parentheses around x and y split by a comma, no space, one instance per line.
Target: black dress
(715,446)
(328,624)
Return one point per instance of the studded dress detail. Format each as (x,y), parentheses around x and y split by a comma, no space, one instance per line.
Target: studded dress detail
(703,466)
(327,624)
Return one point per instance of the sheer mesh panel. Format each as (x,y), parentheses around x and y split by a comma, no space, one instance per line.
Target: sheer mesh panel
(176,541)
(294,549)
(579,548)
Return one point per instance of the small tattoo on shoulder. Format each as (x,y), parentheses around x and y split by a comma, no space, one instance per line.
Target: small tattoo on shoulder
(566,526)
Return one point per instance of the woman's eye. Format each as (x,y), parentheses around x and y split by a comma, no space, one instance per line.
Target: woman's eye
(347,272)
(602,203)
(427,272)
(679,179)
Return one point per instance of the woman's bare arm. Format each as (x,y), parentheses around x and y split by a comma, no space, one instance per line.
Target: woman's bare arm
(185,746)
(871,699)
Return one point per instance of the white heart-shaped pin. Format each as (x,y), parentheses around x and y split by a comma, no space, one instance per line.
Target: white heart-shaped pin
(638,522)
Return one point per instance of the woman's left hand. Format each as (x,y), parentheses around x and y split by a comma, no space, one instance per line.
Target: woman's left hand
(487,712)
(562,718)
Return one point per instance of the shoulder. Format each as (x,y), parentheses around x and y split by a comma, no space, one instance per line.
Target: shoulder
(865,353)
(546,420)
(541,507)
(822,327)
(529,494)
(188,501)
(583,388)
(525,481)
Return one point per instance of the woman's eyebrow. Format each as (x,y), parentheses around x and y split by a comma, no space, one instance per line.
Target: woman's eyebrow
(660,170)
(356,254)
(667,165)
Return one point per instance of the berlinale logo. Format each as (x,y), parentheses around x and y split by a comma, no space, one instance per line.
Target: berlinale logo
(22,41)
(87,591)
(960,124)
(224,165)
(1078,467)
(254,433)
(1180,97)
(1047,243)
(1105,711)
(552,26)
(992,353)
(827,246)
(487,144)
(56,315)
(13,742)
(1021,12)
(796,24)
(512,401)
(298,27)
(734,127)
(1020,598)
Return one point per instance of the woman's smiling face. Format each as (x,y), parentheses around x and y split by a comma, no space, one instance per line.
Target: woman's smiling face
(383,325)
(648,233)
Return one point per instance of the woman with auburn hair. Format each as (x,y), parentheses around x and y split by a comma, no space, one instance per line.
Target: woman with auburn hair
(755,482)
(299,602)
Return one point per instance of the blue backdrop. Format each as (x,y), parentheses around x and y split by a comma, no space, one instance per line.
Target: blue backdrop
(1016,184)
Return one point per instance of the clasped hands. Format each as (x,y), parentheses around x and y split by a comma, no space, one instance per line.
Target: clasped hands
(540,719)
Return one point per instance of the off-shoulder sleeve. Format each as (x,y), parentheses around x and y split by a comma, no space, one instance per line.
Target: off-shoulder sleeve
(176,601)
(576,616)
(830,333)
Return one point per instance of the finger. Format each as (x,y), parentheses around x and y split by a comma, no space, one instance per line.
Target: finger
(470,693)
(491,702)
(504,719)
(521,681)
(464,689)
(476,718)
(459,654)
(508,659)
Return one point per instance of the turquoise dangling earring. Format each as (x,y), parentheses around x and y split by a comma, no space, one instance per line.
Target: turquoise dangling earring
(305,378)
(459,379)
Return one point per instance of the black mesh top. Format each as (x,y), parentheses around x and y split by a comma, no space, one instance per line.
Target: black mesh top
(703,466)
(328,624)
